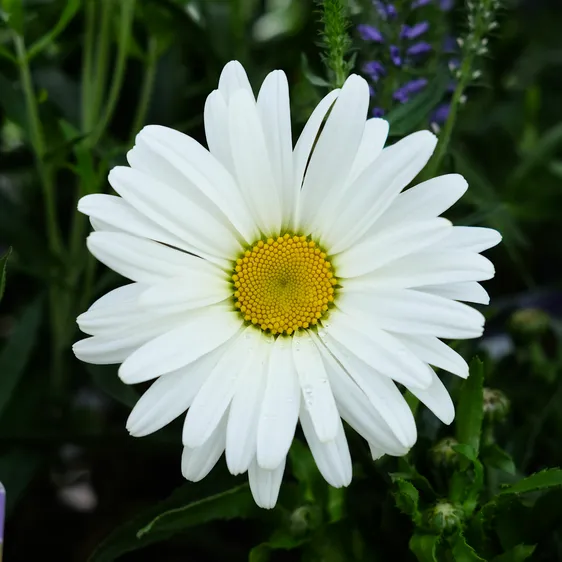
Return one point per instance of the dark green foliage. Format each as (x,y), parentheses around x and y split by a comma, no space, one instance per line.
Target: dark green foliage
(78,79)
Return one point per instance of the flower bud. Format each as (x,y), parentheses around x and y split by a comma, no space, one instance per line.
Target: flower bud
(443,454)
(305,518)
(529,322)
(444,516)
(496,404)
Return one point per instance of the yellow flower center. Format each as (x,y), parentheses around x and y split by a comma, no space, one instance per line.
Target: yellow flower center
(283,284)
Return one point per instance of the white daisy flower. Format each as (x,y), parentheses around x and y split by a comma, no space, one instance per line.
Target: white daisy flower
(274,284)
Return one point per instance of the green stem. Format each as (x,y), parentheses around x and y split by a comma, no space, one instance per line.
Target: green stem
(38,144)
(147,87)
(87,66)
(53,233)
(102,60)
(126,21)
(445,136)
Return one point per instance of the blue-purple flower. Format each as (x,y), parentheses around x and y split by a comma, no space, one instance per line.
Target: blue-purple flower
(370,33)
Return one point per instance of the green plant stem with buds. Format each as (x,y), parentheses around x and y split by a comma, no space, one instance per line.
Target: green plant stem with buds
(480,20)
(336,42)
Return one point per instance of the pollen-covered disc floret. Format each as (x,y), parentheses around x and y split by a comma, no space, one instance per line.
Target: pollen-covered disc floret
(283,284)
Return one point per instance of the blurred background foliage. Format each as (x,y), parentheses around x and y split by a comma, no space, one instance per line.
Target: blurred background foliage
(78,79)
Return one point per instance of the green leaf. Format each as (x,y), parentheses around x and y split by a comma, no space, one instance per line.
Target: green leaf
(424,547)
(466,485)
(496,457)
(105,377)
(543,480)
(306,472)
(470,410)
(3,266)
(66,16)
(17,350)
(199,496)
(313,78)
(518,553)
(232,504)
(463,552)
(405,118)
(407,499)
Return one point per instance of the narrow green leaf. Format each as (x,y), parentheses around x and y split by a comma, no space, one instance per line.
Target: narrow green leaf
(105,377)
(232,504)
(470,410)
(313,78)
(259,553)
(66,16)
(549,478)
(463,552)
(405,118)
(518,553)
(3,266)
(17,350)
(407,499)
(424,547)
(496,457)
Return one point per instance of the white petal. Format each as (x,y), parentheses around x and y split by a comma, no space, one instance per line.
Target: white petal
(471,238)
(437,399)
(194,170)
(357,209)
(275,114)
(317,397)
(265,484)
(174,211)
(215,116)
(254,172)
(331,457)
(196,289)
(232,79)
(170,395)
(335,150)
(280,408)
(115,345)
(109,212)
(139,259)
(372,143)
(389,245)
(381,392)
(355,408)
(201,332)
(436,353)
(114,310)
(426,200)
(469,291)
(376,453)
(378,349)
(412,312)
(198,462)
(305,143)
(430,267)
(216,393)
(241,431)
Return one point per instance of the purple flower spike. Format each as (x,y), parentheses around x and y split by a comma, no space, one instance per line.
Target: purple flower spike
(420,48)
(391,11)
(413,87)
(419,3)
(372,92)
(450,44)
(377,112)
(414,31)
(381,8)
(441,114)
(374,69)
(370,33)
(446,5)
(395,55)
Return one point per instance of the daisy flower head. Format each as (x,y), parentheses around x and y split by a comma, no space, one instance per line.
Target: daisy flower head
(274,284)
